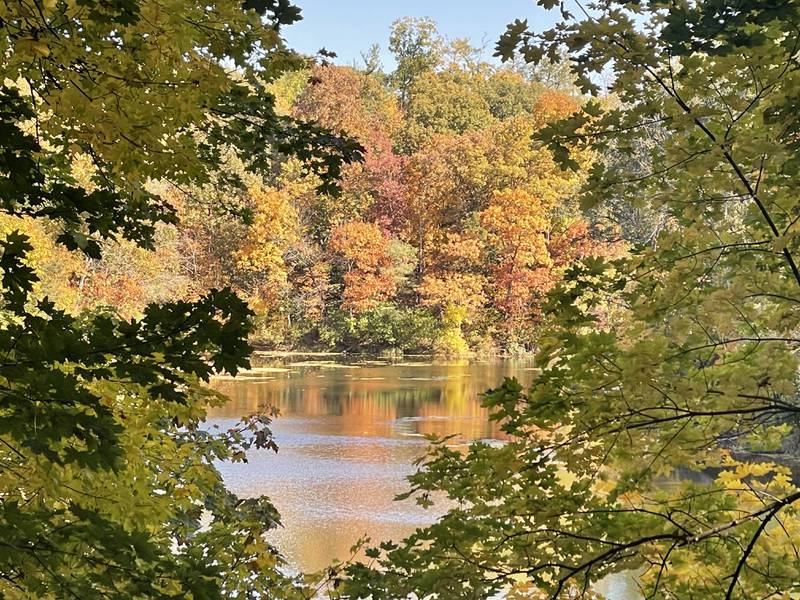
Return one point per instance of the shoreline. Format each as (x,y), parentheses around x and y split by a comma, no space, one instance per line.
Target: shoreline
(391,354)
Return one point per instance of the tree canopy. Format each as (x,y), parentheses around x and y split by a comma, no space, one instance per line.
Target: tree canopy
(107,481)
(660,436)
(271,228)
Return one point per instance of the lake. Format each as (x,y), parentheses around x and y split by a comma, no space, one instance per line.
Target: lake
(349,430)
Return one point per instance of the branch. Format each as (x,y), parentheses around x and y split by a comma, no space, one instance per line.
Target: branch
(683,539)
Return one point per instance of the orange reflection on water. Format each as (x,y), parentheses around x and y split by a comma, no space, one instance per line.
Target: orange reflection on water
(347,439)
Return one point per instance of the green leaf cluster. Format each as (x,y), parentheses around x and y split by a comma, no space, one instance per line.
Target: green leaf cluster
(661,440)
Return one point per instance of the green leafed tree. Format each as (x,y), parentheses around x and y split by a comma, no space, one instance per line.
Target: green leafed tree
(661,442)
(107,481)
(417,48)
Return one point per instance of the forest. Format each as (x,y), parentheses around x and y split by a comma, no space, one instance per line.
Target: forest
(445,238)
(616,196)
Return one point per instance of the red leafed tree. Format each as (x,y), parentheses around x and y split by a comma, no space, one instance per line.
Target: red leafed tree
(388,179)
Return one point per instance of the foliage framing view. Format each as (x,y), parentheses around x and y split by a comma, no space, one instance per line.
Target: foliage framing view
(107,484)
(662,440)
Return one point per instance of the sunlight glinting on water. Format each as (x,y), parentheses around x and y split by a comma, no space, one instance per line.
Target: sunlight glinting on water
(348,438)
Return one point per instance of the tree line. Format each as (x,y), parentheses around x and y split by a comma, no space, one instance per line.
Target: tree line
(445,238)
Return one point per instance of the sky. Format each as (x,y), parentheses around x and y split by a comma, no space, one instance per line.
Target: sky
(349,27)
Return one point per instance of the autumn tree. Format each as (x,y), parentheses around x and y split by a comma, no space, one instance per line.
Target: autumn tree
(417,48)
(660,442)
(456,289)
(108,486)
(357,105)
(274,229)
(445,102)
(517,225)
(346,100)
(363,248)
(126,277)
(508,94)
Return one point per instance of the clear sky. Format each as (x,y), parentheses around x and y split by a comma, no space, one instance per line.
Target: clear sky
(349,27)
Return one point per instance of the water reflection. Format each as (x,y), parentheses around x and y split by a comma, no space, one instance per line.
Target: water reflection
(348,434)
(378,400)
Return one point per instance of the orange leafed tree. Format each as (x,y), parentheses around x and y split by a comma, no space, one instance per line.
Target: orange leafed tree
(346,100)
(364,250)
(517,224)
(457,279)
(553,106)
(529,252)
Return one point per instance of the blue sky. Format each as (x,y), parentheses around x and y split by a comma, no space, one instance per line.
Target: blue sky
(349,27)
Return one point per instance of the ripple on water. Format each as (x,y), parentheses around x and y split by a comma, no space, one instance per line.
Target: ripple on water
(348,441)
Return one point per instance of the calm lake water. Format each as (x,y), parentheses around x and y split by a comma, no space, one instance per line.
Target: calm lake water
(348,431)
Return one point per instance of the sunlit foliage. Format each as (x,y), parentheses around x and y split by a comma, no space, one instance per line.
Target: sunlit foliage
(660,443)
(108,487)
